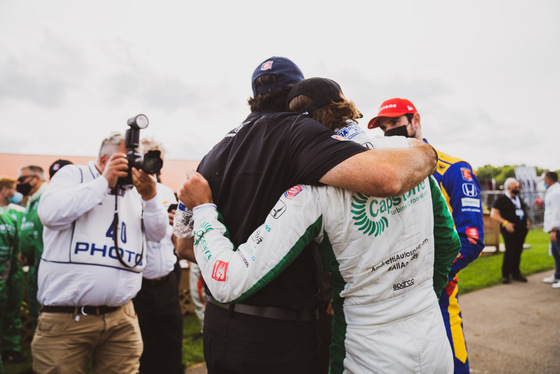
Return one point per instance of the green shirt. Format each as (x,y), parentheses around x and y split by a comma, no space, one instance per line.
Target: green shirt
(31,238)
(10,221)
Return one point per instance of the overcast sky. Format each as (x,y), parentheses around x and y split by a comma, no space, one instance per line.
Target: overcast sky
(484,75)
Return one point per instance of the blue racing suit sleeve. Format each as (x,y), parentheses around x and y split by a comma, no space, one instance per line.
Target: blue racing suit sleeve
(461,190)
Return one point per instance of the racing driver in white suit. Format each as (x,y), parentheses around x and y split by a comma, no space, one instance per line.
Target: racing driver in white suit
(379,251)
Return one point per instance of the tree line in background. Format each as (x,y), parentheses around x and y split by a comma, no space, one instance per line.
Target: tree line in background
(501,173)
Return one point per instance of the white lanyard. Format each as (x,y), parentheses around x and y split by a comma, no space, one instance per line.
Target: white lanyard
(516,201)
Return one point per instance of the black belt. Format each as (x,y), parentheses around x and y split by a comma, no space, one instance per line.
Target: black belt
(269,311)
(155,281)
(83,310)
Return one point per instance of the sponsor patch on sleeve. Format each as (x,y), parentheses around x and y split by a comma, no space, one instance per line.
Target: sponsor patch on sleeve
(472,232)
(219,271)
(470,202)
(278,209)
(293,192)
(467,175)
(338,137)
(470,190)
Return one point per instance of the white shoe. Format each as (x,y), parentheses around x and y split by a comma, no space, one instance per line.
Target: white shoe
(551,280)
(556,285)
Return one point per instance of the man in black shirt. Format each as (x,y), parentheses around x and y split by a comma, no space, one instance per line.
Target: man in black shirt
(511,212)
(275,330)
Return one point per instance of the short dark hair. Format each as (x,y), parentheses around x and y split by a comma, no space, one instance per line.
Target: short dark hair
(552,175)
(274,101)
(35,169)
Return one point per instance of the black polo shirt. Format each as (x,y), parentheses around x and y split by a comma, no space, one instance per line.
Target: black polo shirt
(508,212)
(249,170)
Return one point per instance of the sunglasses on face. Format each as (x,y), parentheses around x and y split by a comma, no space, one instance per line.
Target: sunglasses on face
(23,178)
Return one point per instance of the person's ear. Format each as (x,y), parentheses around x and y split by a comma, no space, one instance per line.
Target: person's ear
(102,162)
(416,121)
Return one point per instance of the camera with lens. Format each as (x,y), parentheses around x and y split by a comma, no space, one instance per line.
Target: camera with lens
(151,162)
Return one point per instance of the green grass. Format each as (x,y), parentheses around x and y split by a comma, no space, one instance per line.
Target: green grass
(192,341)
(486,271)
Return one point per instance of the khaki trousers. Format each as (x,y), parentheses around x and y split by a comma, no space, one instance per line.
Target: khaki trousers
(66,343)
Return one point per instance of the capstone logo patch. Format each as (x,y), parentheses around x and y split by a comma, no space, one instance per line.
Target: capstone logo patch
(370,213)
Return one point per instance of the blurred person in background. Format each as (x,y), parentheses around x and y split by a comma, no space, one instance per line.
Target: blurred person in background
(31,184)
(510,211)
(56,166)
(11,273)
(552,223)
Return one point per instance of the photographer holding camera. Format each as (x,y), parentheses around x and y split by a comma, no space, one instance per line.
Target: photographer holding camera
(96,219)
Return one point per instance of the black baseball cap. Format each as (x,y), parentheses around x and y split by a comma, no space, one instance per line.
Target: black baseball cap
(322,91)
(57,165)
(287,74)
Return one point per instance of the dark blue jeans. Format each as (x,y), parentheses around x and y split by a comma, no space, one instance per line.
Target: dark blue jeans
(555,249)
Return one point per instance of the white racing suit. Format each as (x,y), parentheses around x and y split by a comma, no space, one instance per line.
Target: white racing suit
(380,252)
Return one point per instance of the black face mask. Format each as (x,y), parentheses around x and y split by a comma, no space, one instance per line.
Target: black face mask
(24,188)
(515,191)
(398,131)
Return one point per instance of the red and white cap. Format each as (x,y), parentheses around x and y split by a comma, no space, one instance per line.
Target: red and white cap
(393,108)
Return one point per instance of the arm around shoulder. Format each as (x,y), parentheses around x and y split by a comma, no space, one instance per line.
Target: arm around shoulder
(384,172)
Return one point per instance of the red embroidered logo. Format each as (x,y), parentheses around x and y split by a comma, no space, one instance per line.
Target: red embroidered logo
(267,65)
(219,271)
(466,174)
(292,192)
(472,232)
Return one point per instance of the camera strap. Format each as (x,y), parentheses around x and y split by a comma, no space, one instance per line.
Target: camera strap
(115,236)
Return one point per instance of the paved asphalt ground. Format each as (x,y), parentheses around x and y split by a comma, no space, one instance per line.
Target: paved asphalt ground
(510,329)
(513,328)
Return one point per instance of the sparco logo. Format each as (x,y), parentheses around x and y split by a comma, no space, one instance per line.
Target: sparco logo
(366,213)
(405,284)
